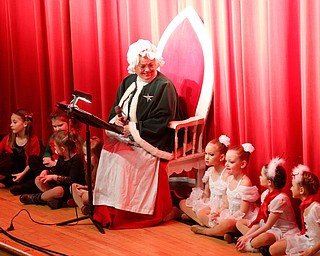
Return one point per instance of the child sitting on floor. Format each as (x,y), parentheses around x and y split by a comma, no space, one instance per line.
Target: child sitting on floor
(60,121)
(239,201)
(17,147)
(305,185)
(54,184)
(80,192)
(210,200)
(275,217)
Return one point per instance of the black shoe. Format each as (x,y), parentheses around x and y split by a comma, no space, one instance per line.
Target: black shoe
(235,239)
(57,203)
(264,250)
(26,199)
(7,182)
(228,237)
(85,209)
(175,197)
(32,199)
(26,188)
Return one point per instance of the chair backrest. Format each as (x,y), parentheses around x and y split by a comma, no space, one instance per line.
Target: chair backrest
(187,50)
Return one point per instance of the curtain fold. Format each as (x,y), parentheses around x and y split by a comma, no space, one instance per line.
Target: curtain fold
(266,58)
(310,77)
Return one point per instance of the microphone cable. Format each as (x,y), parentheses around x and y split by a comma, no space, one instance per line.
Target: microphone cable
(11,227)
(25,243)
(35,247)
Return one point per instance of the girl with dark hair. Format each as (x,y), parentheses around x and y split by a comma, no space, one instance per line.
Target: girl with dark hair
(276,216)
(24,181)
(54,184)
(17,147)
(305,186)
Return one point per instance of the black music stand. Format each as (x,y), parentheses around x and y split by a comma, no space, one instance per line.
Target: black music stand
(90,120)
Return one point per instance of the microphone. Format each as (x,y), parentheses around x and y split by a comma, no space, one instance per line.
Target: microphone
(118,111)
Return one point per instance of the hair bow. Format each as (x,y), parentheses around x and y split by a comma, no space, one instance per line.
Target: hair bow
(247,147)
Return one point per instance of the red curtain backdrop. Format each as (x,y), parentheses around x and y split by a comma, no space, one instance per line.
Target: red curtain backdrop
(266,57)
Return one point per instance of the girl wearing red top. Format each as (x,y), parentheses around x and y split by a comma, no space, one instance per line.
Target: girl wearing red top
(17,147)
(36,164)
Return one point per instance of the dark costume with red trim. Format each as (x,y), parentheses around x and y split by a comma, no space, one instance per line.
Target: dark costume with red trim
(131,191)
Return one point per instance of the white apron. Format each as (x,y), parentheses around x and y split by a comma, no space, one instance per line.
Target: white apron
(127,178)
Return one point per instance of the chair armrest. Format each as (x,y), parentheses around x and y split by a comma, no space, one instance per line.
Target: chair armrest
(193,127)
(191,121)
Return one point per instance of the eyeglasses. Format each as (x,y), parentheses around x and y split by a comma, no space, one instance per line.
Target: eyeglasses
(151,65)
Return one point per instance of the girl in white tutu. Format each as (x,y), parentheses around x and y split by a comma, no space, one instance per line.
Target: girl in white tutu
(305,186)
(202,203)
(239,201)
(276,216)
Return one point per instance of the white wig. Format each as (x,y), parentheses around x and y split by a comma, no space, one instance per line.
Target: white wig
(143,48)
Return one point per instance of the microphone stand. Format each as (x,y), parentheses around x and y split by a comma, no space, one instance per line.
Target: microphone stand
(90,193)
(92,120)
